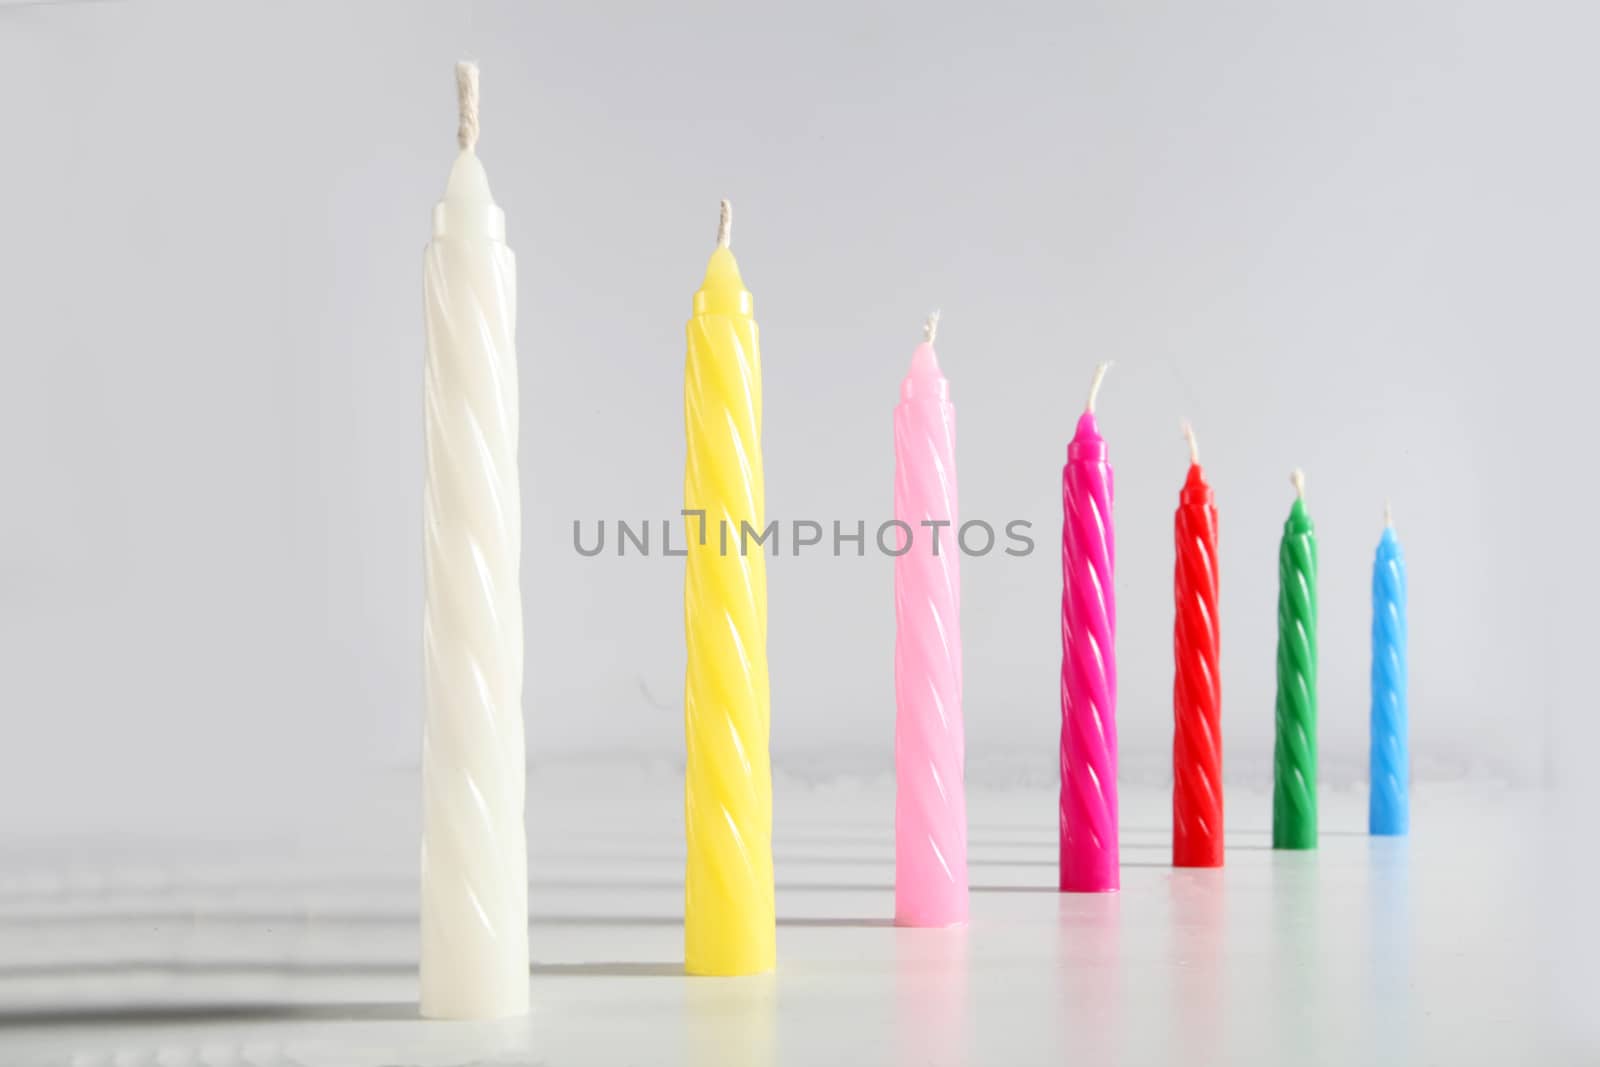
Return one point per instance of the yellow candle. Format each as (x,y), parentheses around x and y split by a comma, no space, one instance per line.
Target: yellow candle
(728,923)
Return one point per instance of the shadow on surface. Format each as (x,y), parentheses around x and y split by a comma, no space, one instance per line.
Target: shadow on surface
(623,884)
(606,920)
(201,1014)
(190,918)
(610,970)
(677,920)
(1012,889)
(973,862)
(832,887)
(287,968)
(884,859)
(1054,864)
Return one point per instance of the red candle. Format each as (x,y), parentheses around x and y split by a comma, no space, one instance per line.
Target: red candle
(1197,687)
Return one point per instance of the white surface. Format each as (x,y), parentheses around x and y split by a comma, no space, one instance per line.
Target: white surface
(1355,237)
(1368,952)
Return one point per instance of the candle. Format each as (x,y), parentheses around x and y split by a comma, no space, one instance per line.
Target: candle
(1088,663)
(1197,687)
(474,952)
(1294,791)
(728,923)
(930,809)
(1389,810)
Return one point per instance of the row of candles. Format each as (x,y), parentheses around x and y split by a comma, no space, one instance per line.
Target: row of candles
(474,946)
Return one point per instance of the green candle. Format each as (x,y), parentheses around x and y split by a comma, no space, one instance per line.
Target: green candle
(1294,791)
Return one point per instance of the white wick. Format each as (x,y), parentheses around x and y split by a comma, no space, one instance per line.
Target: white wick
(725,225)
(467,102)
(930,329)
(1194,447)
(1297,478)
(1094,386)
(1388,513)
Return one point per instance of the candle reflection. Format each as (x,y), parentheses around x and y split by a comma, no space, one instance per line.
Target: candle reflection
(1389,900)
(1199,923)
(1090,976)
(1297,1012)
(730,1022)
(932,1025)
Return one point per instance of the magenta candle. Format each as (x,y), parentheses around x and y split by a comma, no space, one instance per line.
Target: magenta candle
(1088,663)
(930,807)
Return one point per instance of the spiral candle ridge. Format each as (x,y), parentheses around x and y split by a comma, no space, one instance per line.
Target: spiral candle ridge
(930,797)
(1088,810)
(1389,810)
(1294,793)
(1197,686)
(474,949)
(729,924)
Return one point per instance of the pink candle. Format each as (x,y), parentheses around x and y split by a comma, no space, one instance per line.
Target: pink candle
(930,808)
(1088,664)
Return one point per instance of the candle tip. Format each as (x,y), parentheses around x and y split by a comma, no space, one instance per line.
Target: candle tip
(1094,386)
(467,104)
(930,328)
(1297,478)
(1194,447)
(725,225)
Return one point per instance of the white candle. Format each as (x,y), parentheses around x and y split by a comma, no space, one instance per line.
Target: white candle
(474,852)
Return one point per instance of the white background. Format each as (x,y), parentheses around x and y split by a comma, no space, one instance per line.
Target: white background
(1358,238)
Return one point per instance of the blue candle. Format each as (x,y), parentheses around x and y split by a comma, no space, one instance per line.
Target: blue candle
(1389,812)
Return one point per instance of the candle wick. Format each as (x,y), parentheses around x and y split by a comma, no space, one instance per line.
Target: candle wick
(467,104)
(1194,447)
(930,329)
(1388,513)
(725,225)
(1297,478)
(1094,386)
